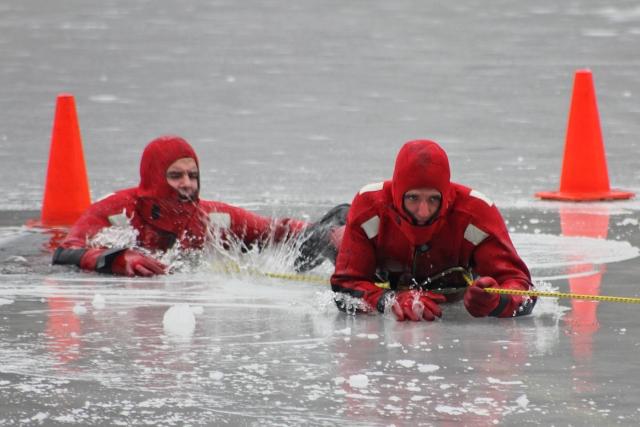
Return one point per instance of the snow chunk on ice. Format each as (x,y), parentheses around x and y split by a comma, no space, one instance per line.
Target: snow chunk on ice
(40,417)
(368,336)
(179,320)
(522,401)
(358,381)
(216,375)
(4,301)
(98,302)
(406,363)
(79,309)
(451,410)
(628,221)
(497,381)
(427,367)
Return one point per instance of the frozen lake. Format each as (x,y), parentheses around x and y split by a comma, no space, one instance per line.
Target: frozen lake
(210,347)
(292,108)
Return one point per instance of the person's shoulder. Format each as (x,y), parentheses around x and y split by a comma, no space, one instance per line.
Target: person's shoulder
(224,214)
(371,199)
(471,200)
(213,206)
(478,208)
(123,196)
(115,202)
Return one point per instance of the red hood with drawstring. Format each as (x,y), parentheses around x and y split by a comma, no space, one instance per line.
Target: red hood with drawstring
(158,155)
(159,204)
(421,164)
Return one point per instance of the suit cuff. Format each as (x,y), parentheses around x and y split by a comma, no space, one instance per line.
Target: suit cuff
(66,256)
(106,258)
(502,304)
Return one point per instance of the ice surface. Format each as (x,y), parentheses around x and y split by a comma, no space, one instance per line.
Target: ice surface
(292,108)
(200,344)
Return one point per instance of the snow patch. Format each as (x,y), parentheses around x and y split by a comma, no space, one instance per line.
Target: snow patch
(216,375)
(451,410)
(358,381)
(98,302)
(406,363)
(79,309)
(492,380)
(427,367)
(522,401)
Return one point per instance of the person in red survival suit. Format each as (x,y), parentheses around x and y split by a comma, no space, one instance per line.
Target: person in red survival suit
(418,225)
(165,209)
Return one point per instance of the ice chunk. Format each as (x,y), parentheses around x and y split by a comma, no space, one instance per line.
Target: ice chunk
(98,302)
(358,381)
(406,363)
(216,375)
(79,309)
(522,401)
(179,320)
(427,367)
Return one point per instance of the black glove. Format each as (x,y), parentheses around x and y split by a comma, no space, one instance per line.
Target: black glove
(316,242)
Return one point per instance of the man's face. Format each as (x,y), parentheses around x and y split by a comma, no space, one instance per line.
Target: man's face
(422,203)
(183,176)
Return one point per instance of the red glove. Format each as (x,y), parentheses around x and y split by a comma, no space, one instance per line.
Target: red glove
(478,302)
(416,305)
(133,263)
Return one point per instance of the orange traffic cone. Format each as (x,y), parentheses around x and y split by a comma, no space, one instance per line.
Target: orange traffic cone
(584,166)
(66,193)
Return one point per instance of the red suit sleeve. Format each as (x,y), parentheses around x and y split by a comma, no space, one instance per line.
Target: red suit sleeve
(356,263)
(252,228)
(74,250)
(495,256)
(94,219)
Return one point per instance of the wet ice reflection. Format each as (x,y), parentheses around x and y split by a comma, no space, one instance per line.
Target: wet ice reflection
(197,346)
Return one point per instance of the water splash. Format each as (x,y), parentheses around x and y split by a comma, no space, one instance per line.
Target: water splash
(223,253)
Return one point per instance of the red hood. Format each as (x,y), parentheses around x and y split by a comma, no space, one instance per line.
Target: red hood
(158,203)
(158,155)
(421,164)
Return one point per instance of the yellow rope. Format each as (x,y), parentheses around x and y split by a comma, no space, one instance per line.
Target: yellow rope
(297,277)
(627,300)
(310,278)
(322,280)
